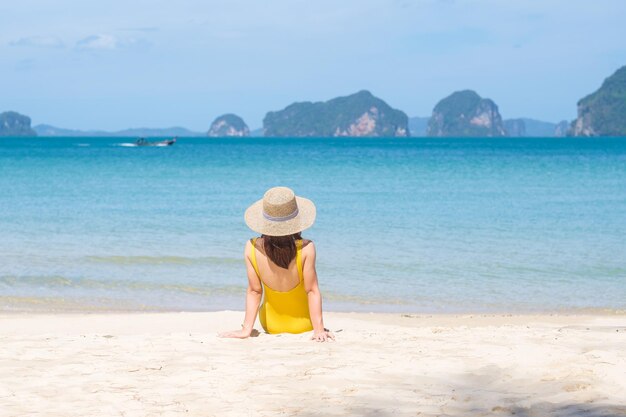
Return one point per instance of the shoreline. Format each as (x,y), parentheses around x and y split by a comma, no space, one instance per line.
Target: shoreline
(380,364)
(9,320)
(11,305)
(210,321)
(45,306)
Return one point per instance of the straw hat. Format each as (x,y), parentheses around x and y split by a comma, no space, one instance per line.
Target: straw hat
(280,213)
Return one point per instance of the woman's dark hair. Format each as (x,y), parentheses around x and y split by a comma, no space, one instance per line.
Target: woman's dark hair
(281,249)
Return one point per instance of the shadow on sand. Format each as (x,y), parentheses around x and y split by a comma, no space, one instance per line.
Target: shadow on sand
(487,392)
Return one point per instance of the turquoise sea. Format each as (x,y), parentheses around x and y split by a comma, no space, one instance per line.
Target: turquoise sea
(410,225)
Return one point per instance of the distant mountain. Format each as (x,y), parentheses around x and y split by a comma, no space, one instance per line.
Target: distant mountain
(538,128)
(603,113)
(515,128)
(15,124)
(418,126)
(560,130)
(525,127)
(48,130)
(359,114)
(228,125)
(466,114)
(52,131)
(256,132)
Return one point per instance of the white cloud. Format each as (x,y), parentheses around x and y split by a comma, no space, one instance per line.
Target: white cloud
(141,29)
(98,42)
(108,42)
(39,42)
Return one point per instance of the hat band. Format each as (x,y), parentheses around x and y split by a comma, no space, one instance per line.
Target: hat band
(280,219)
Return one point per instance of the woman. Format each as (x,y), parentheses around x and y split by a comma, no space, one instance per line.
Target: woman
(282,265)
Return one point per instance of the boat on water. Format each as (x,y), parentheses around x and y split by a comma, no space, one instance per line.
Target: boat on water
(144,142)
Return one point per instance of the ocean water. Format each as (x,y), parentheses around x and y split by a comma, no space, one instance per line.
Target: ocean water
(411,225)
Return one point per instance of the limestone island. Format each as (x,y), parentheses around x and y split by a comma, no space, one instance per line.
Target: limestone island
(15,124)
(360,114)
(466,114)
(228,125)
(603,113)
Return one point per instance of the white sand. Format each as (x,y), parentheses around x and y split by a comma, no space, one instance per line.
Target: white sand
(381,365)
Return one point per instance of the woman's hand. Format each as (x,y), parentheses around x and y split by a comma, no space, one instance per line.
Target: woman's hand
(237,334)
(322,336)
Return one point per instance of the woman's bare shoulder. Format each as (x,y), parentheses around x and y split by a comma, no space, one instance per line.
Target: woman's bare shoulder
(308,245)
(248,245)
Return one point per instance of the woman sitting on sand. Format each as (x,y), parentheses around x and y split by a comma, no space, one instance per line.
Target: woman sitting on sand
(282,264)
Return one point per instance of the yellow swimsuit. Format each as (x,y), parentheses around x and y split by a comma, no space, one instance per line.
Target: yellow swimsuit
(284,311)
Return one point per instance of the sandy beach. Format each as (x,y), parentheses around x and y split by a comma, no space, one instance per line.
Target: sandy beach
(153,364)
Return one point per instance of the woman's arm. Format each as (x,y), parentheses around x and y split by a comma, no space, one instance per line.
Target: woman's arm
(311,287)
(253,299)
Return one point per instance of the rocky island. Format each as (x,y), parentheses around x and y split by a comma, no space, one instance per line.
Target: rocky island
(15,124)
(359,114)
(466,114)
(603,113)
(228,125)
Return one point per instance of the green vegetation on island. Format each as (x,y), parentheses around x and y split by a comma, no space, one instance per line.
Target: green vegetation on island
(466,114)
(15,124)
(228,125)
(603,113)
(359,114)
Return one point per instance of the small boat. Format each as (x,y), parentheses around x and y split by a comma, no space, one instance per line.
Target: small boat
(144,142)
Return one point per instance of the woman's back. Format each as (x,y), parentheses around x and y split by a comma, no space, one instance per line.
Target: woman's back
(285,307)
(272,275)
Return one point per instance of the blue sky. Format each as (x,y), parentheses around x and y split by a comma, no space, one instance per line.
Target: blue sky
(118,64)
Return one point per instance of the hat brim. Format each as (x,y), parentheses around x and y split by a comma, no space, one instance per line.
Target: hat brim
(257,222)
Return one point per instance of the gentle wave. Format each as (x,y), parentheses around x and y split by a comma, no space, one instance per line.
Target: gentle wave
(61,282)
(19,304)
(356,299)
(161,260)
(100,287)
